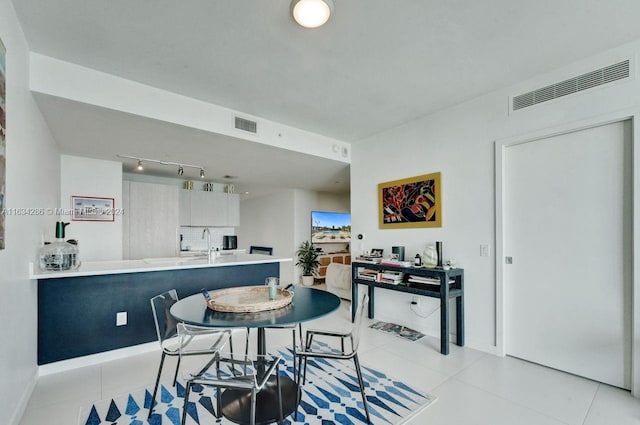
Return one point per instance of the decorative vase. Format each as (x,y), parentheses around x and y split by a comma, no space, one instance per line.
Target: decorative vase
(307,280)
(59,255)
(430,257)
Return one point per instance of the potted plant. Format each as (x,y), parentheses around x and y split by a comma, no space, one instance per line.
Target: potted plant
(308,260)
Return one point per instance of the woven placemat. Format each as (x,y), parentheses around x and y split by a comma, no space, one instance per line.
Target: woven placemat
(248,299)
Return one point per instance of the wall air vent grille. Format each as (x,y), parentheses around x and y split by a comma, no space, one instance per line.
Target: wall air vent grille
(586,81)
(246,125)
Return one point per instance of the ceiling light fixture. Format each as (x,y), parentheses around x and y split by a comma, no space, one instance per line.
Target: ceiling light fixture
(311,13)
(180,166)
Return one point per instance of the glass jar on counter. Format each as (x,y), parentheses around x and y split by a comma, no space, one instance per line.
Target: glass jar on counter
(59,255)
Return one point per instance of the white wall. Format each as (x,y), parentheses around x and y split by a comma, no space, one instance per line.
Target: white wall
(268,221)
(33,181)
(332,202)
(92,177)
(459,142)
(283,220)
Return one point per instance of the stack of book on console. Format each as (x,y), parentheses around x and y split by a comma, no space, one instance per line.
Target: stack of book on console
(373,260)
(367,274)
(427,280)
(391,277)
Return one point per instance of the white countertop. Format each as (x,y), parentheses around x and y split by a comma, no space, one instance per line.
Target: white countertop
(95,268)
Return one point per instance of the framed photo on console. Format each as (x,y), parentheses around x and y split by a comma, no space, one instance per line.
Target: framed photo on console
(412,202)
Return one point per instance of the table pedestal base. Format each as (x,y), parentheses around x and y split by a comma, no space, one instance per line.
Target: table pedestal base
(236,404)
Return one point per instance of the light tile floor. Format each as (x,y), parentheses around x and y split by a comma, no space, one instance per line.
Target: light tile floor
(472,387)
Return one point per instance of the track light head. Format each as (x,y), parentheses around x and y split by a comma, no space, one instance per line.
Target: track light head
(180,170)
(202,173)
(140,167)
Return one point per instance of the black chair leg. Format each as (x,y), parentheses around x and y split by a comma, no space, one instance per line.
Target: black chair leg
(294,350)
(279,393)
(175,375)
(246,350)
(155,389)
(361,382)
(218,391)
(218,412)
(186,403)
(299,391)
(231,343)
(246,346)
(304,370)
(253,406)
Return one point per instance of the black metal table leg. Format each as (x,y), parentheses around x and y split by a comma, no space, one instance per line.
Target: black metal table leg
(236,403)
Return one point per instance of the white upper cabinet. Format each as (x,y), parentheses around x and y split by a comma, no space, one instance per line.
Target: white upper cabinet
(208,209)
(152,222)
(215,209)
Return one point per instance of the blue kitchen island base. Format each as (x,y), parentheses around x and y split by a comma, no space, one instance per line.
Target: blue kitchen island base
(77,315)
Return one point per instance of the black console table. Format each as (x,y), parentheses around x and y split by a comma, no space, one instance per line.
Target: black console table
(451,286)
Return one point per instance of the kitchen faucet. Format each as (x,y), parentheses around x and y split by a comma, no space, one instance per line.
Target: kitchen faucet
(208,233)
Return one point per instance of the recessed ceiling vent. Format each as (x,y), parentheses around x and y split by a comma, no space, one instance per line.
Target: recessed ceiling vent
(582,82)
(246,125)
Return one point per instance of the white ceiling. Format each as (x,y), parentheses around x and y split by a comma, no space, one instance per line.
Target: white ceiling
(375,65)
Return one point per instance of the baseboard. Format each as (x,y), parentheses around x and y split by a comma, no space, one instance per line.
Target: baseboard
(21,406)
(489,349)
(107,356)
(98,358)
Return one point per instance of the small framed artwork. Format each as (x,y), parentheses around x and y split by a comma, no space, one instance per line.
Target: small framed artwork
(411,202)
(377,252)
(91,208)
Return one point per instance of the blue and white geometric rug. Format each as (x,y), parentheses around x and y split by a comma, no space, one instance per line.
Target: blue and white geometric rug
(330,396)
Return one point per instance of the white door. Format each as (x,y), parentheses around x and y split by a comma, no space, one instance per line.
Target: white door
(567,228)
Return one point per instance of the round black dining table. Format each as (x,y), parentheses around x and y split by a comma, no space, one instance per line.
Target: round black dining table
(307,304)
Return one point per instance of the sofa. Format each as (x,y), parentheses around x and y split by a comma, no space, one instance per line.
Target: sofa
(338,280)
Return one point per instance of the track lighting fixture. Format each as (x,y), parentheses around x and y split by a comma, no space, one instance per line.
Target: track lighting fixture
(180,166)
